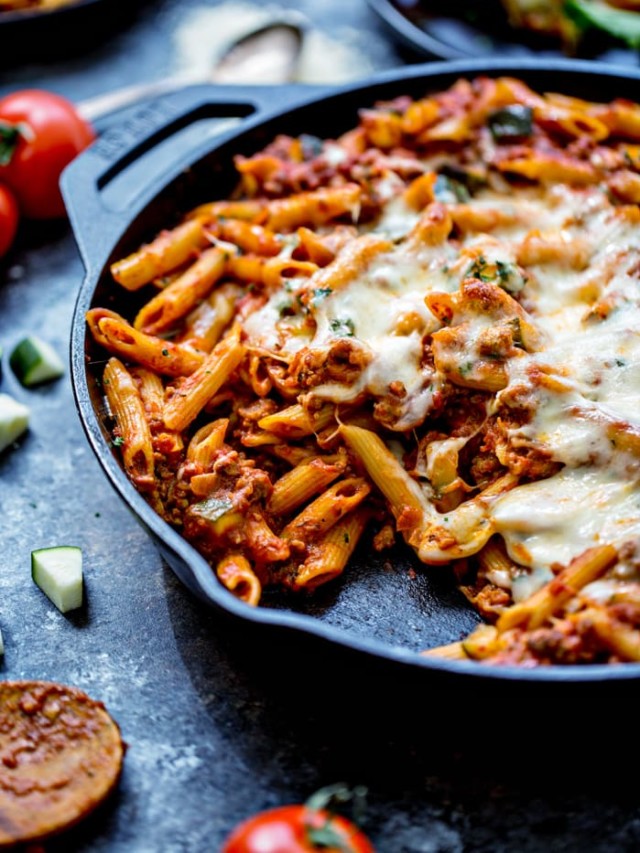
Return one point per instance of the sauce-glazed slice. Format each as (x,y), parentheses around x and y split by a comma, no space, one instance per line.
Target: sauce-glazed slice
(60,756)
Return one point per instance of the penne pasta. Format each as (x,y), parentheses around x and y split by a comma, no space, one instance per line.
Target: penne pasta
(157,354)
(300,484)
(133,436)
(322,513)
(235,573)
(169,250)
(183,294)
(329,557)
(191,396)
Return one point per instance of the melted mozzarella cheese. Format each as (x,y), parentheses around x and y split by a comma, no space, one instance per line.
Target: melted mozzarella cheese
(374,307)
(553,520)
(593,355)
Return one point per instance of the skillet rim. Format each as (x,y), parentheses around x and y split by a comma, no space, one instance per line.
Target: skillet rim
(192,570)
(428,45)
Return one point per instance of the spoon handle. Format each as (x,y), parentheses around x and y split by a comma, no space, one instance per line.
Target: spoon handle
(268,54)
(95,108)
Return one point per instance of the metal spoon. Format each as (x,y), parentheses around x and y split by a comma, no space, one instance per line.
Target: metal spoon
(268,54)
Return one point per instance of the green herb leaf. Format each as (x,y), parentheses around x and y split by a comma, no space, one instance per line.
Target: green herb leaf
(343,327)
(511,123)
(449,190)
(479,269)
(319,294)
(471,180)
(118,441)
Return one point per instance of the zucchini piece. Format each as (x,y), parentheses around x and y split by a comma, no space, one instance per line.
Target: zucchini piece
(14,420)
(622,24)
(58,573)
(34,360)
(511,124)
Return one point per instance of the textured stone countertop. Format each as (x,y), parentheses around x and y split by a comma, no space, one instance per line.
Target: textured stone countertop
(221,723)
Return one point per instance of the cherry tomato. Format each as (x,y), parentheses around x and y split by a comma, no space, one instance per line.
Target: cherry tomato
(9,217)
(40,134)
(297,829)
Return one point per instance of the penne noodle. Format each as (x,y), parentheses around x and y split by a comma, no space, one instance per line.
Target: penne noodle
(205,443)
(134,435)
(235,573)
(296,421)
(169,250)
(183,294)
(322,513)
(203,327)
(535,610)
(116,335)
(403,493)
(299,485)
(192,395)
(313,208)
(329,557)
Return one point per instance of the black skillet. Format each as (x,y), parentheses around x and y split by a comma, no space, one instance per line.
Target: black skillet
(463,28)
(138,179)
(37,35)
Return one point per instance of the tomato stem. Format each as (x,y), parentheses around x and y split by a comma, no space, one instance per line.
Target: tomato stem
(323,798)
(10,136)
(323,836)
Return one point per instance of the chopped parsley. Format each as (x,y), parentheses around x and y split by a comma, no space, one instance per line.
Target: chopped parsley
(449,190)
(319,294)
(503,273)
(118,441)
(481,269)
(510,277)
(342,326)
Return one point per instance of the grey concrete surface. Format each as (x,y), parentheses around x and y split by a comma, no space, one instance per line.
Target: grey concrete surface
(221,722)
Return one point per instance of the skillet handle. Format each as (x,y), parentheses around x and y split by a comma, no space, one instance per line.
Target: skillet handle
(84,183)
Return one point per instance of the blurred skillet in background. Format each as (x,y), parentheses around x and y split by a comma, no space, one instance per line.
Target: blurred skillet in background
(70,30)
(469,29)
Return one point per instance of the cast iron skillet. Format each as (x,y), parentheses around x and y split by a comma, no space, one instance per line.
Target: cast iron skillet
(70,30)
(381,610)
(448,31)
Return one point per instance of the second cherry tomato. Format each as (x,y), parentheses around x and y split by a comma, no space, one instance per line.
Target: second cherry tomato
(297,829)
(40,134)
(9,217)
